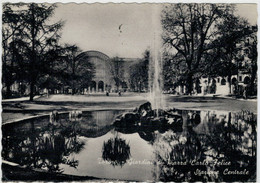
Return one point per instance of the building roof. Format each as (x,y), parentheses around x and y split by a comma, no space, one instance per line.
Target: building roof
(92,53)
(98,54)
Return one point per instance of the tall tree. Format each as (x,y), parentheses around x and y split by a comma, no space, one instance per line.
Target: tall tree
(139,75)
(189,31)
(250,44)
(117,71)
(52,77)
(77,72)
(11,34)
(38,37)
(232,31)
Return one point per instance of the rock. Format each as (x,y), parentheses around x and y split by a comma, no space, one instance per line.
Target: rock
(144,109)
(127,119)
(147,135)
(145,117)
(173,118)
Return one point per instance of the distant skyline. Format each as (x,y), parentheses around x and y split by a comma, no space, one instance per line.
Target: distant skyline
(124,30)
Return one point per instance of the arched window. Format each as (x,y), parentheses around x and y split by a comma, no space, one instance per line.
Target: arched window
(246,80)
(101,86)
(223,81)
(93,86)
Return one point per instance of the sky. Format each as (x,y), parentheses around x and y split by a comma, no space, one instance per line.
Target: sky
(123,30)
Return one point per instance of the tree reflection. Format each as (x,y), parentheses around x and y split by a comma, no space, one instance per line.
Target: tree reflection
(174,152)
(116,151)
(44,148)
(181,156)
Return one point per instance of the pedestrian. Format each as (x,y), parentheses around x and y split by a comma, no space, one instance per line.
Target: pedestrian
(119,93)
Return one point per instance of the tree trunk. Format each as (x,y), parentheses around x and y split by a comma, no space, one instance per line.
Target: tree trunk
(189,83)
(252,84)
(31,91)
(73,91)
(8,90)
(229,83)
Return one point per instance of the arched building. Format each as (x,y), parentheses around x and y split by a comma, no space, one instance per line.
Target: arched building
(104,79)
(221,84)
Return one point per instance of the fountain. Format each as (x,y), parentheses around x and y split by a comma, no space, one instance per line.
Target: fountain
(152,114)
(155,65)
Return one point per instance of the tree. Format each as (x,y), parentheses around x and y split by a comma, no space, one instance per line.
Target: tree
(11,29)
(76,71)
(188,30)
(37,38)
(233,30)
(171,74)
(117,71)
(139,73)
(250,50)
(52,77)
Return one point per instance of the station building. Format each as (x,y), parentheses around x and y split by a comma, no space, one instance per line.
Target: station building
(102,81)
(104,67)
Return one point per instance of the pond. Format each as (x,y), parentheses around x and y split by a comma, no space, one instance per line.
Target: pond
(222,147)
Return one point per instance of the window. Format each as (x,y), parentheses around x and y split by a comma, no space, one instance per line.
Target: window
(223,81)
(246,80)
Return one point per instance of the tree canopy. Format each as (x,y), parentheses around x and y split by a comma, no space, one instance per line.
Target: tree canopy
(139,75)
(189,30)
(199,38)
(36,38)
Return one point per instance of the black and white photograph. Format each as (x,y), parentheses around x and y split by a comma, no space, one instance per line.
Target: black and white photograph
(129,92)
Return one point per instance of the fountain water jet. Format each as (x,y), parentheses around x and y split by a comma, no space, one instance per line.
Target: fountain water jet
(155,66)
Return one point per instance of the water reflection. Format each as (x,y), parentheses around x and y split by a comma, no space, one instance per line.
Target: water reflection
(116,151)
(40,144)
(221,147)
(44,148)
(174,152)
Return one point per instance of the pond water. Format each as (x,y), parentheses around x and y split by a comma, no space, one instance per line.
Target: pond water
(222,147)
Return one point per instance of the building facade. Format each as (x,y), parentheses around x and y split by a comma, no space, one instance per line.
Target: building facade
(220,85)
(105,68)
(102,81)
